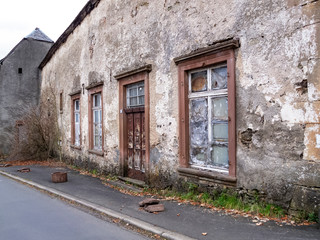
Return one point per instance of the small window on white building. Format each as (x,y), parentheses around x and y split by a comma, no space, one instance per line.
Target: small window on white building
(77,122)
(135,95)
(97,121)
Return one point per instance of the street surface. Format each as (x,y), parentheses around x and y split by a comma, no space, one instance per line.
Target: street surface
(27,214)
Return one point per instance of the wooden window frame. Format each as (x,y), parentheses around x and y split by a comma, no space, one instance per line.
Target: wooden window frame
(92,91)
(73,99)
(198,62)
(127,78)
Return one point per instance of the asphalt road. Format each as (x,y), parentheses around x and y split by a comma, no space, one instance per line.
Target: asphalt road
(28,214)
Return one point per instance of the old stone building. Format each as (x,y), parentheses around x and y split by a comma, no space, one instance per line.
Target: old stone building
(20,82)
(220,93)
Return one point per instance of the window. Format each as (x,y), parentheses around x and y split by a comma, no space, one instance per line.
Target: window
(135,95)
(61,102)
(96,119)
(207,112)
(75,120)
(208,117)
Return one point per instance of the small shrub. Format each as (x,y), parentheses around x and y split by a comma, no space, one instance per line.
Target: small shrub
(313,217)
(38,134)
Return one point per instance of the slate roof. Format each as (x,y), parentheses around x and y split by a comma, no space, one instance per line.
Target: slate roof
(37,34)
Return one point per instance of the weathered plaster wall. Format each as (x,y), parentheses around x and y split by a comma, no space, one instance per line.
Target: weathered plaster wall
(277,83)
(18,92)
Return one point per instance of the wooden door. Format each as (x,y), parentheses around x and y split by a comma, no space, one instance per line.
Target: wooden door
(136,143)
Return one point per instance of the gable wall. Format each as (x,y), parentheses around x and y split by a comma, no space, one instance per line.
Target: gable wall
(18,92)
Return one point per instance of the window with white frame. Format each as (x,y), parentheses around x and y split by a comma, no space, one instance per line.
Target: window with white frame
(208,117)
(135,95)
(76,107)
(97,121)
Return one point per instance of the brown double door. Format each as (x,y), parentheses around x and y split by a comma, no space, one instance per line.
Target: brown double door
(136,150)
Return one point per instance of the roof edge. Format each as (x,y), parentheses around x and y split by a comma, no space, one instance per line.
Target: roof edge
(11,51)
(86,10)
(229,43)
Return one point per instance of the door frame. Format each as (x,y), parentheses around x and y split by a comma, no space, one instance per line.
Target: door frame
(127,78)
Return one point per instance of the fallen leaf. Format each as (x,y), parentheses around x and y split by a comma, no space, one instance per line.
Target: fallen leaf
(178,214)
(116,220)
(204,234)
(259,223)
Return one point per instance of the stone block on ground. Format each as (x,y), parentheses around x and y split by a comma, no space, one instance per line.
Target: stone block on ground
(59,177)
(148,201)
(24,170)
(154,208)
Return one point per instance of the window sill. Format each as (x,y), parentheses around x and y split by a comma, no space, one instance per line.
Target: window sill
(96,152)
(212,176)
(75,147)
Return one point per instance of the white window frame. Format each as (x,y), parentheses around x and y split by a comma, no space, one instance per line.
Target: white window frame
(76,124)
(97,123)
(135,86)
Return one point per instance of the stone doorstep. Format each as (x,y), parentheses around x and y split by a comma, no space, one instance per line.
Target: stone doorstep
(135,182)
(121,184)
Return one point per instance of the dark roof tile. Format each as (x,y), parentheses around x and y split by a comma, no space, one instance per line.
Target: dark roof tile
(37,34)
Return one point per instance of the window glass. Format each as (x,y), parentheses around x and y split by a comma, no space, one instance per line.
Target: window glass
(133,92)
(199,81)
(219,78)
(199,122)
(220,131)
(77,117)
(198,155)
(96,117)
(220,108)
(97,121)
(135,95)
(141,90)
(97,100)
(76,122)
(219,156)
(141,100)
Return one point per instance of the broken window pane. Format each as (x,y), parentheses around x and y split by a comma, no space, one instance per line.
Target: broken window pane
(220,131)
(198,155)
(199,122)
(208,111)
(220,108)
(141,90)
(199,81)
(219,156)
(219,78)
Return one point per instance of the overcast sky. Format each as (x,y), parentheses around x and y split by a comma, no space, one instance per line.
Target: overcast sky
(18,18)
